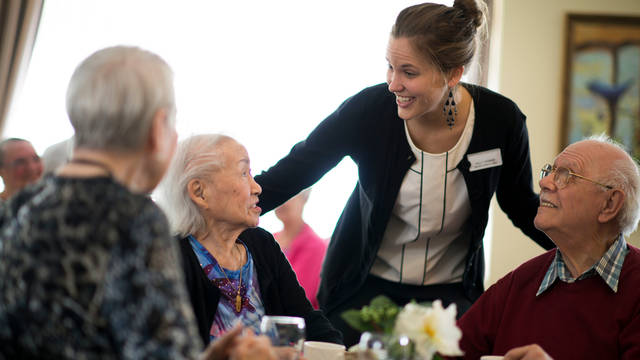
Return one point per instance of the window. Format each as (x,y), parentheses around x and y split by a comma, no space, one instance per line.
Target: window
(264,72)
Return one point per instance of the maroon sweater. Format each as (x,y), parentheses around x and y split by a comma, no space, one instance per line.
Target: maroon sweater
(582,320)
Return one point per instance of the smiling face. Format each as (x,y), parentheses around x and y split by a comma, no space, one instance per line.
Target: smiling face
(419,86)
(574,209)
(231,192)
(21,165)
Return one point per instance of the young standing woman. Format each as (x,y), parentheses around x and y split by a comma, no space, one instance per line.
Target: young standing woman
(431,152)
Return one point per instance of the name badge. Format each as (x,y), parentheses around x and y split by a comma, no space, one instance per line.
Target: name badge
(485,159)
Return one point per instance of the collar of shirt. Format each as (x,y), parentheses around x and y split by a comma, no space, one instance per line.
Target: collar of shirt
(608,267)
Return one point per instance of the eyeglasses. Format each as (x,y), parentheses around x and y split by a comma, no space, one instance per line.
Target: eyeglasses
(562,175)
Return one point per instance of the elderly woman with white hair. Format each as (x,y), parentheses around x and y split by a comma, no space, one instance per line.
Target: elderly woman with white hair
(87,266)
(234,270)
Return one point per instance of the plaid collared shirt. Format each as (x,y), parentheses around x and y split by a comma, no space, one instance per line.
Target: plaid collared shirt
(608,267)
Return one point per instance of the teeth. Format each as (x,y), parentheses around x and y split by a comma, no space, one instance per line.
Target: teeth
(547,204)
(403,98)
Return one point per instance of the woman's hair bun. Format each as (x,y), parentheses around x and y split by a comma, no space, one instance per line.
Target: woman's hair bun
(470,10)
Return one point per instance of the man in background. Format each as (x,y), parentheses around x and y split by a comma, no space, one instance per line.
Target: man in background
(20,166)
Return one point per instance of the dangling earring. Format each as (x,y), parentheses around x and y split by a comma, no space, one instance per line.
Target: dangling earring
(450,110)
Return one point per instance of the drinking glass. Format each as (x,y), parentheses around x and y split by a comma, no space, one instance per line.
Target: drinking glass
(284,331)
(372,346)
(375,346)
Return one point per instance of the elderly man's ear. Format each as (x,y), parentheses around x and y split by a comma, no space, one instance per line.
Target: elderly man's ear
(611,206)
(196,188)
(160,140)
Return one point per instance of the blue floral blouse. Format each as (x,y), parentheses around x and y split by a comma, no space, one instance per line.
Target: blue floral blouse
(252,309)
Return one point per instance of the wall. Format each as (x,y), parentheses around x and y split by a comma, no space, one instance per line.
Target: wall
(529,56)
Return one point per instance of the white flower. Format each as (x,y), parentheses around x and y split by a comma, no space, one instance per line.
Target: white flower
(432,329)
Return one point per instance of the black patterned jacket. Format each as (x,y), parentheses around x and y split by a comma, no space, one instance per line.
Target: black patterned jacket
(88,270)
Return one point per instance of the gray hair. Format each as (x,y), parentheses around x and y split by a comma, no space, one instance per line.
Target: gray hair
(623,174)
(196,158)
(114,94)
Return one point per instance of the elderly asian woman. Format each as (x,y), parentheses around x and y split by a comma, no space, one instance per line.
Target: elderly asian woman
(234,270)
(88,269)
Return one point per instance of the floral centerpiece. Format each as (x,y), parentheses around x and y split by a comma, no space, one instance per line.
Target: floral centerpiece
(430,327)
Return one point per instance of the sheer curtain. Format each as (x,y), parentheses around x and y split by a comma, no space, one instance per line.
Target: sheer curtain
(19,21)
(265,73)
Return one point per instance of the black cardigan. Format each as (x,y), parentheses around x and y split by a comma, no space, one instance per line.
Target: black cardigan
(279,288)
(367,128)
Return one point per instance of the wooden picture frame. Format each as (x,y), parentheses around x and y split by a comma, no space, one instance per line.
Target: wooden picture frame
(602,79)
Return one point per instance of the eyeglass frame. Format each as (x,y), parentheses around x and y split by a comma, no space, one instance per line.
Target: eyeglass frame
(547,169)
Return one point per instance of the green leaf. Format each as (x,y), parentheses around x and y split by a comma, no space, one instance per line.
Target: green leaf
(379,316)
(382,301)
(353,318)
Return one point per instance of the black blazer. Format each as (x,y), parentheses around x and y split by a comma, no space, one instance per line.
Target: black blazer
(281,293)
(367,128)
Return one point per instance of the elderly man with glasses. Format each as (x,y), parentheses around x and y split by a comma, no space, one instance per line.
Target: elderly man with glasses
(582,299)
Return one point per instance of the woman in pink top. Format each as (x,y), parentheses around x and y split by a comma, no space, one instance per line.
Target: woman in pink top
(302,246)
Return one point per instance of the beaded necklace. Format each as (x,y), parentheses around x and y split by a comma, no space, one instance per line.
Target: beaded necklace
(238,297)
